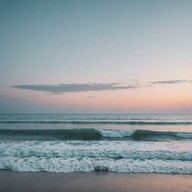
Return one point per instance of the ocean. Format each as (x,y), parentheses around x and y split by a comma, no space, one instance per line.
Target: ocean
(126,143)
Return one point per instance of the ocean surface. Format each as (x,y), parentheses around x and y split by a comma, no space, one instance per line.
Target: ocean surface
(130,143)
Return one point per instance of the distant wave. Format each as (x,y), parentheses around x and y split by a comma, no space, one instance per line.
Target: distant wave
(94,134)
(120,122)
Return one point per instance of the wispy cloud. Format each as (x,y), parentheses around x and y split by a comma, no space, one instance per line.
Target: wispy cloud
(65,88)
(56,89)
(91,97)
(29,96)
(54,99)
(171,82)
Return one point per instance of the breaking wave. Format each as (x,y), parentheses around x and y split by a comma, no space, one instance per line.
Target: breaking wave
(87,156)
(94,134)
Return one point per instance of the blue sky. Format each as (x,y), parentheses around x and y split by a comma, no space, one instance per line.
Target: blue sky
(83,43)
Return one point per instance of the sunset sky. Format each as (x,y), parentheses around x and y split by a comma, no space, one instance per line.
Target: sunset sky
(95,56)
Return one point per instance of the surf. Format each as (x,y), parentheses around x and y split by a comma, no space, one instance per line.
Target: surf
(104,122)
(94,134)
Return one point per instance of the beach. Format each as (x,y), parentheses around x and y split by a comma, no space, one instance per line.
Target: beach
(94,182)
(95,153)
(95,96)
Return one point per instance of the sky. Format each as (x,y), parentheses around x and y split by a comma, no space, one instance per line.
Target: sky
(86,56)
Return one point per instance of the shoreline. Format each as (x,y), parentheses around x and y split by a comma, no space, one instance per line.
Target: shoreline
(11,181)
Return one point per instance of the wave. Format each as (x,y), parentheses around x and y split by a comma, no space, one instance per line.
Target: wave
(94,134)
(144,134)
(87,156)
(111,150)
(127,122)
(62,165)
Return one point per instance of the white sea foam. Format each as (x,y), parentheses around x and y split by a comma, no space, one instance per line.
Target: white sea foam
(115,133)
(113,149)
(34,164)
(85,156)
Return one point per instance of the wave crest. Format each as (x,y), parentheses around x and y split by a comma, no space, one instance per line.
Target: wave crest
(115,133)
(93,134)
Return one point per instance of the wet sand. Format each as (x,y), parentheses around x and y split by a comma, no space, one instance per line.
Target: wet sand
(93,182)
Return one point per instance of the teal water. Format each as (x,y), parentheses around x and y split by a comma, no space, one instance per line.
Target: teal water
(158,143)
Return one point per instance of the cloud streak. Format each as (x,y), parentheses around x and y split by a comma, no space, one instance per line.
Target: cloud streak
(56,89)
(91,97)
(171,82)
(67,88)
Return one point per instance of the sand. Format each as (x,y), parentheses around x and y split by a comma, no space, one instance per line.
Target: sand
(93,182)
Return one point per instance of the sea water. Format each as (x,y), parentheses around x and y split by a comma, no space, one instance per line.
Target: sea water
(131,143)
